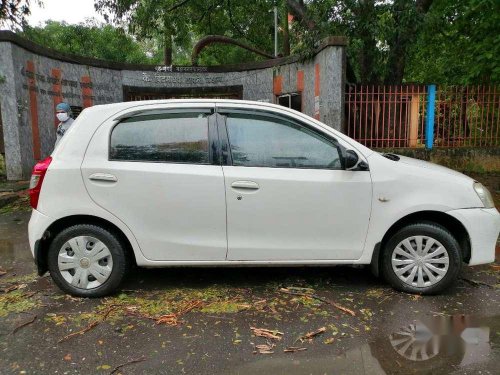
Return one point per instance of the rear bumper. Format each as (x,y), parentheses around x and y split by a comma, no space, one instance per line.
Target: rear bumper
(36,228)
(483,227)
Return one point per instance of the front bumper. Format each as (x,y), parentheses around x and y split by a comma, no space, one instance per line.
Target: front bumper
(483,227)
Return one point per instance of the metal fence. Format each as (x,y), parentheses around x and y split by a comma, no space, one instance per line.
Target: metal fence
(397,116)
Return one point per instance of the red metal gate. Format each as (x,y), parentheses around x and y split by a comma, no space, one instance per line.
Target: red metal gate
(394,116)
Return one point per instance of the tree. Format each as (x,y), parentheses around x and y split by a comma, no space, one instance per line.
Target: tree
(13,13)
(179,24)
(90,39)
(380,33)
(459,44)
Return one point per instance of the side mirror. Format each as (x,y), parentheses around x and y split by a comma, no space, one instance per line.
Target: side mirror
(350,159)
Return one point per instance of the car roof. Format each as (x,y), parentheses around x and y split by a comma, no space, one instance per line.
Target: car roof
(130,104)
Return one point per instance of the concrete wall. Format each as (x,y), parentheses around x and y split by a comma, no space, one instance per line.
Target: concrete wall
(36,79)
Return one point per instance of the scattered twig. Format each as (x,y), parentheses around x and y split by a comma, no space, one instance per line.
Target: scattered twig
(91,325)
(324,300)
(2,272)
(11,288)
(173,319)
(310,335)
(137,360)
(24,324)
(383,300)
(267,333)
(477,283)
(30,294)
(264,348)
(293,349)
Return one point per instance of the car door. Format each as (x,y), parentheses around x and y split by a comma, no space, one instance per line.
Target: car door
(288,196)
(159,173)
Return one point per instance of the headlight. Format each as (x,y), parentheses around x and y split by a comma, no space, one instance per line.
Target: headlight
(484,195)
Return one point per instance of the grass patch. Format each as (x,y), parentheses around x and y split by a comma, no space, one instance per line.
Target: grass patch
(3,171)
(19,279)
(20,205)
(17,302)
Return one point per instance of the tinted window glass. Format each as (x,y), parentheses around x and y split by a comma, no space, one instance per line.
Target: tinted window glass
(261,141)
(175,138)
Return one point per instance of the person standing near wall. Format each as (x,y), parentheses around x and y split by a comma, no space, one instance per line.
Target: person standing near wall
(63,114)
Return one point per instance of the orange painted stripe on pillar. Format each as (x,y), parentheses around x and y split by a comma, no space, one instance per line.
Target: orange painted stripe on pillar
(300,87)
(35,132)
(87,91)
(300,80)
(316,91)
(277,85)
(57,89)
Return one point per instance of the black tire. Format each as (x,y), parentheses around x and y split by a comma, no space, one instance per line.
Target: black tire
(436,232)
(108,238)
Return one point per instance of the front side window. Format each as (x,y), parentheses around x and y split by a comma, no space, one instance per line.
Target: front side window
(172,137)
(267,141)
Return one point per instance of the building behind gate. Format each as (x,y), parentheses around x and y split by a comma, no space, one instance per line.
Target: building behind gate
(33,79)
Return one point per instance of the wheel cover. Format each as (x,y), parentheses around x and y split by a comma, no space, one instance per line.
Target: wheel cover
(420,261)
(415,342)
(85,262)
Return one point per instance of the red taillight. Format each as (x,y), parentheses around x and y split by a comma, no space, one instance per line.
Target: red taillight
(36,181)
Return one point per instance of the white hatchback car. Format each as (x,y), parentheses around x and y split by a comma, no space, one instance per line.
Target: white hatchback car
(235,183)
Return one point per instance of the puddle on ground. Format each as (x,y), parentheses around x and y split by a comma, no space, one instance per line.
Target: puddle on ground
(445,344)
(14,245)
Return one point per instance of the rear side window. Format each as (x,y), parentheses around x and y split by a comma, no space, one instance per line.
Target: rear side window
(172,137)
(261,141)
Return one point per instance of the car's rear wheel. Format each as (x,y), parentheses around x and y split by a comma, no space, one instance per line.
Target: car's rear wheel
(87,261)
(421,258)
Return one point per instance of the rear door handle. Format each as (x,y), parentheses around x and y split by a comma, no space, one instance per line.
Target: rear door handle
(247,185)
(103,177)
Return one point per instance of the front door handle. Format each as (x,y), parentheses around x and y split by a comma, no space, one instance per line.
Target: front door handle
(103,177)
(246,185)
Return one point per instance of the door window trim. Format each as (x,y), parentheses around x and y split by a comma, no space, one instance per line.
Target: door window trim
(223,132)
(213,138)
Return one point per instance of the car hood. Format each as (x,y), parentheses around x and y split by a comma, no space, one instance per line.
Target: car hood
(432,166)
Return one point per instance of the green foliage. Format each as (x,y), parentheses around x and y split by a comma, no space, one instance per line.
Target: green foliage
(379,34)
(180,24)
(88,39)
(393,41)
(13,13)
(441,41)
(459,43)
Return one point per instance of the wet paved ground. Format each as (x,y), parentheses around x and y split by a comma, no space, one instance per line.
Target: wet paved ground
(391,332)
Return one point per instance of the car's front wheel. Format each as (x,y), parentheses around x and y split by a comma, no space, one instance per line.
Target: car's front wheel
(421,258)
(87,261)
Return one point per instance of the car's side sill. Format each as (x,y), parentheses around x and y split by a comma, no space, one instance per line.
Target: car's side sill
(249,263)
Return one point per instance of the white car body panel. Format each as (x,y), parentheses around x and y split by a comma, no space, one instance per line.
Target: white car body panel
(176,211)
(482,226)
(321,214)
(397,189)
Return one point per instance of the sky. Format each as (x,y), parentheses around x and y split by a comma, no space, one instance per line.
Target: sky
(70,11)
